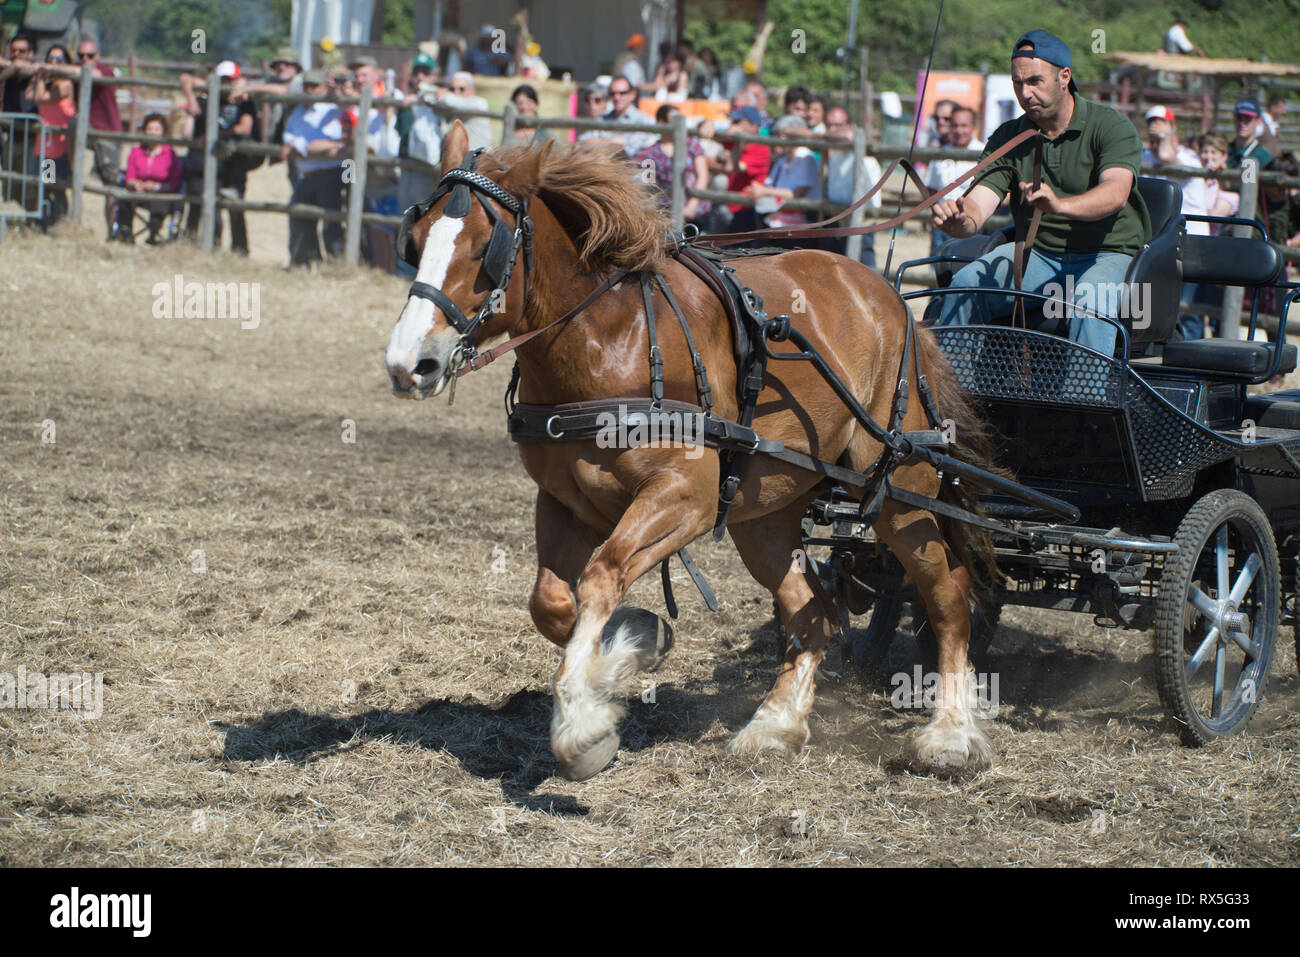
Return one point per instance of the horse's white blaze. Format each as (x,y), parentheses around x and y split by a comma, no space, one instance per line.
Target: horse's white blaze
(416,320)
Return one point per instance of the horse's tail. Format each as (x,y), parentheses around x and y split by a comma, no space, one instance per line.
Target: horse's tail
(973,444)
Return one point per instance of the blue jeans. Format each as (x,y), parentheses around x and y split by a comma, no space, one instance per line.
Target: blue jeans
(1096,278)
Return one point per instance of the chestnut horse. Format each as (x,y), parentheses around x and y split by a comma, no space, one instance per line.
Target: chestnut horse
(606,516)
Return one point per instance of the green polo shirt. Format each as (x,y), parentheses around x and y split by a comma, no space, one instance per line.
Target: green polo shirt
(1254,150)
(1097,139)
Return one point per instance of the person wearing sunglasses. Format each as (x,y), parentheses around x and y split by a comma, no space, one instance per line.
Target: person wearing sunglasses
(623,109)
(464,96)
(105,118)
(16,137)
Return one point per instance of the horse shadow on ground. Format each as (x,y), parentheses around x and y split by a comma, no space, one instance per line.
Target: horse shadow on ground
(507,742)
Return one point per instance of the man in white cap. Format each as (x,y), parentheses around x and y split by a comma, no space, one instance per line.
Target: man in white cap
(464,96)
(1163,149)
(237,121)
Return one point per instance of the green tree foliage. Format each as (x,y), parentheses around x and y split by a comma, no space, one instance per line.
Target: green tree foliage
(249,30)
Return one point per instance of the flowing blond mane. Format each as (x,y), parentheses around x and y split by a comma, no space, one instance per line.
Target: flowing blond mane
(600,201)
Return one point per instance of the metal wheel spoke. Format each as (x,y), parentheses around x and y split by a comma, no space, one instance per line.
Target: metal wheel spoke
(1220,664)
(1202,653)
(1247,576)
(1203,603)
(1221,559)
(1251,648)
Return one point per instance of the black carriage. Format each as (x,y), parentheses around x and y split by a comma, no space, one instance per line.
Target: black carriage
(1186,487)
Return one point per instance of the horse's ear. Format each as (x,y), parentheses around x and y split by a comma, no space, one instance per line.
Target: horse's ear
(525,175)
(454,146)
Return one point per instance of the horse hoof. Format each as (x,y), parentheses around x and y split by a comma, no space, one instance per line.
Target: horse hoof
(754,738)
(949,750)
(592,761)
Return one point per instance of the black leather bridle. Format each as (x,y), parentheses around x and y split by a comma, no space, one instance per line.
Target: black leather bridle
(499,259)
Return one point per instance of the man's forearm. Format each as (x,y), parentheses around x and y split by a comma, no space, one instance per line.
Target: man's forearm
(1097,203)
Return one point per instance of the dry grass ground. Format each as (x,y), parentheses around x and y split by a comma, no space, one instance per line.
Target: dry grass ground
(348,675)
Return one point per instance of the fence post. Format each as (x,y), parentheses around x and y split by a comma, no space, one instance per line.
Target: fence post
(678,208)
(1230,319)
(81,143)
(208,213)
(357,189)
(854,248)
(508,124)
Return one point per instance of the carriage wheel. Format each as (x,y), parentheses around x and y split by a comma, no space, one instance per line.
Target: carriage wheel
(1217,611)
(984,618)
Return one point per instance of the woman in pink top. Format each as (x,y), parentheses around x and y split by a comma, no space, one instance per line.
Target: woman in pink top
(151,168)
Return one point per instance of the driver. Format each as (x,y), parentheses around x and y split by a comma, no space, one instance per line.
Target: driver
(1094,220)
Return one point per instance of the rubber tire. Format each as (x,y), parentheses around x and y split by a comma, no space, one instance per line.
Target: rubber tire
(1194,533)
(984,621)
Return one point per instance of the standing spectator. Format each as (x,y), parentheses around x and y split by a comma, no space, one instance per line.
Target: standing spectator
(938,133)
(817,114)
(795,174)
(104,118)
(56,108)
(491,56)
(596,101)
(796,101)
(624,110)
(1218,201)
(1269,125)
(671,81)
(940,173)
(709,62)
(746,164)
(525,100)
(659,155)
(1163,149)
(237,121)
(150,168)
(420,132)
(316,133)
(15,144)
(1280,201)
(1245,116)
(839,180)
(698,75)
(759,93)
(628,63)
(464,96)
(286,77)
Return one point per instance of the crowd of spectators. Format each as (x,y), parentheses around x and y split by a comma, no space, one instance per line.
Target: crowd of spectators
(316,138)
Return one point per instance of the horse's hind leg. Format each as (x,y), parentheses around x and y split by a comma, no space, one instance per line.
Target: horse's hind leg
(771,548)
(662,520)
(952,739)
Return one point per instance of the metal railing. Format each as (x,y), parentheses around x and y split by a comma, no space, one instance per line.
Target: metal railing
(16,183)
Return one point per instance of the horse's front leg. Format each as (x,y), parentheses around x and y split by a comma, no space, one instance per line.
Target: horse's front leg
(663,518)
(564,546)
(771,548)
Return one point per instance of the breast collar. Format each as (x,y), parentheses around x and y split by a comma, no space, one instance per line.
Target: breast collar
(502,251)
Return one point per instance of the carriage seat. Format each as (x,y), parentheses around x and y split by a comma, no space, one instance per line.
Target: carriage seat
(1275,410)
(1230,261)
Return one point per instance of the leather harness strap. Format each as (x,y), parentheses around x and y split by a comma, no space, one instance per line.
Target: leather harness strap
(818,230)
(1025,237)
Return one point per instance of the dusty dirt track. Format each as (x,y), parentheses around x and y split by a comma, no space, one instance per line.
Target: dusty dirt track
(347,673)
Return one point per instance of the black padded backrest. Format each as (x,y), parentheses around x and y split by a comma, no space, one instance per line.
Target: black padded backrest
(1231,261)
(1157,269)
(1164,201)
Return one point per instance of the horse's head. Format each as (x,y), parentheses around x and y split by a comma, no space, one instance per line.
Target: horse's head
(467,241)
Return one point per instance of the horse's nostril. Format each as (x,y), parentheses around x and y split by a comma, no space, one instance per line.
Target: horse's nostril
(427,367)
